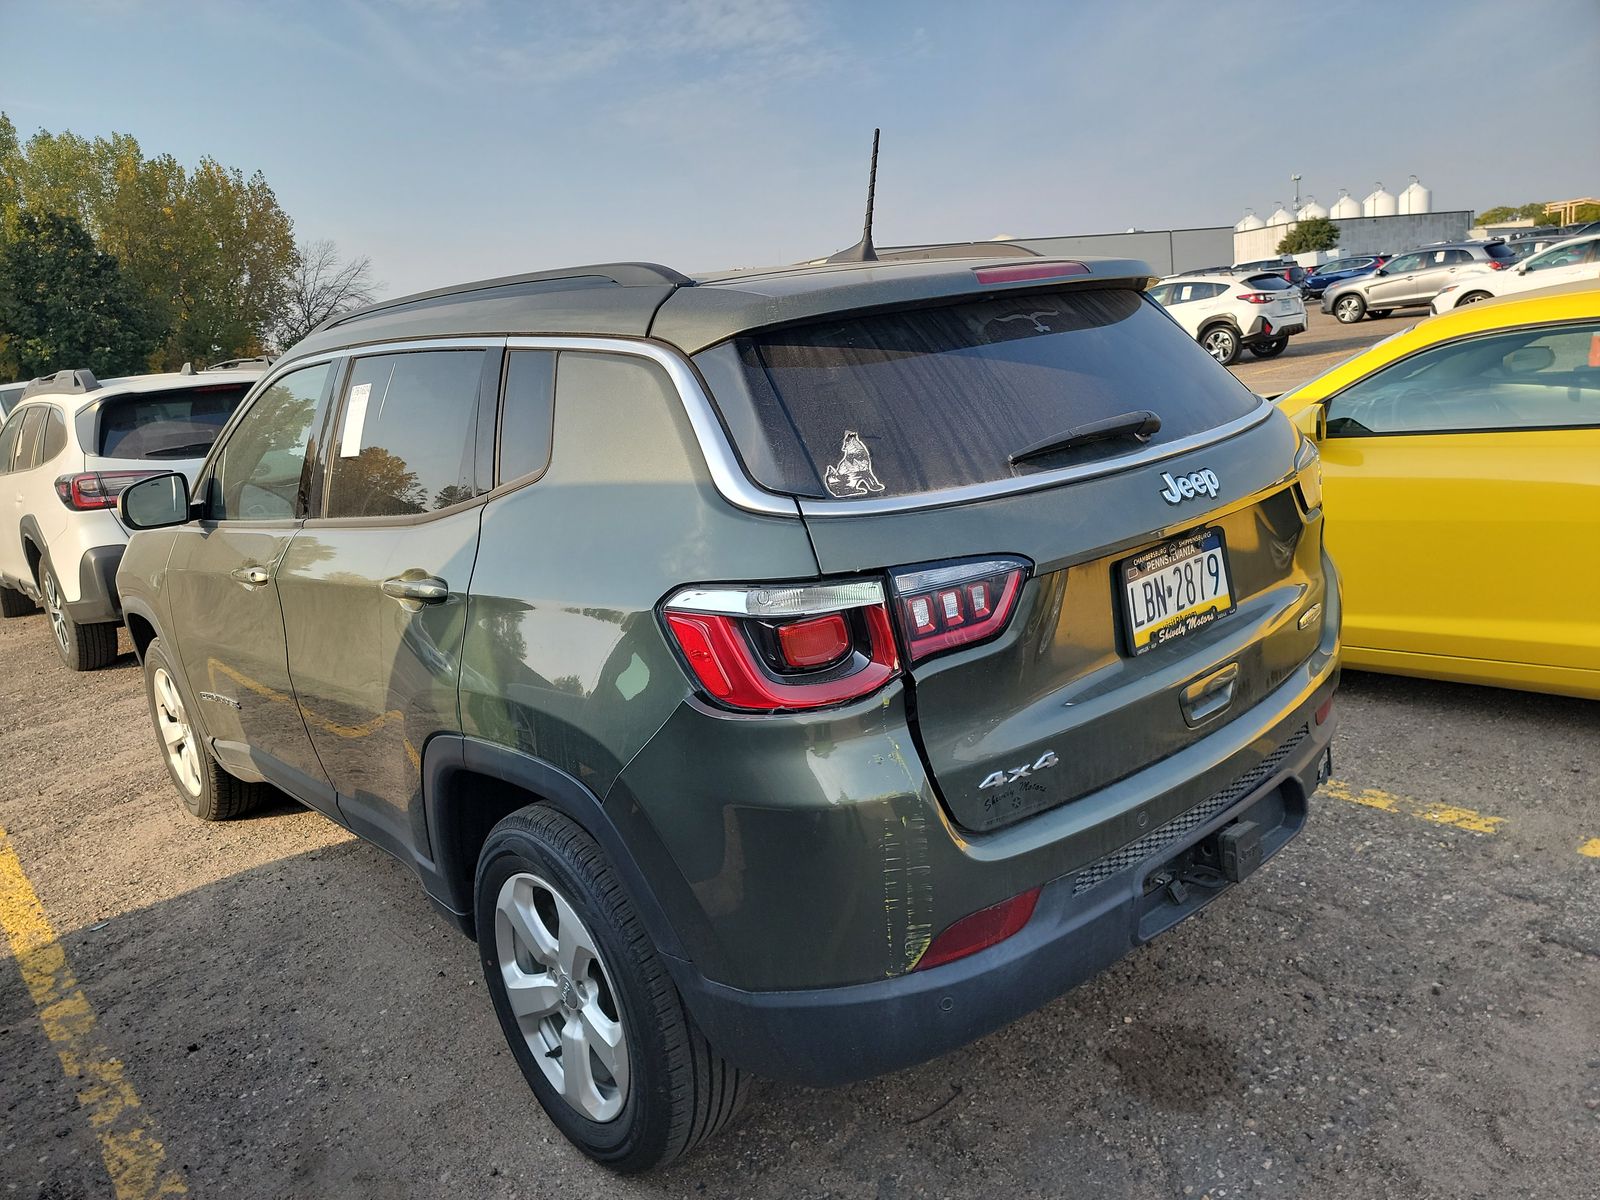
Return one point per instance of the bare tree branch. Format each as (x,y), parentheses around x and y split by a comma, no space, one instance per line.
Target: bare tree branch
(323,286)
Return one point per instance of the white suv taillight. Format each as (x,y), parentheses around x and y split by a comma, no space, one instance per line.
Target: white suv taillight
(945,605)
(770,647)
(96,489)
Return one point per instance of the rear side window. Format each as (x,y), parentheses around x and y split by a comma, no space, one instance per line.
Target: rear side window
(55,435)
(527,412)
(406,442)
(926,399)
(27,452)
(181,423)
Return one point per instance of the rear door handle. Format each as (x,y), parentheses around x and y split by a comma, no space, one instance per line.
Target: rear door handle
(251,576)
(426,590)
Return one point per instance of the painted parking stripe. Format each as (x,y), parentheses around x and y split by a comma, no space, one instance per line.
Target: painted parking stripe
(1439,814)
(133,1156)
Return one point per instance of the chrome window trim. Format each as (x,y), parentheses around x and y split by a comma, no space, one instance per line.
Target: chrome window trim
(972,493)
(728,474)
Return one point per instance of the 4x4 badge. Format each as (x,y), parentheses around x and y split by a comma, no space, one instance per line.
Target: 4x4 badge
(852,475)
(1014,774)
(1187,487)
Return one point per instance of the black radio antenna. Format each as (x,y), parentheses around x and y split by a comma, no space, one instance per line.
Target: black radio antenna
(863,251)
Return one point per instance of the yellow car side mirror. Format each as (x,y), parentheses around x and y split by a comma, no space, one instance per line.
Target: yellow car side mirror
(1313,421)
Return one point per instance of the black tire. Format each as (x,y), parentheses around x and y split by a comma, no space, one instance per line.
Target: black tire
(1350,308)
(80,647)
(1380,313)
(1221,342)
(14,604)
(678,1090)
(1472,298)
(1270,348)
(209,793)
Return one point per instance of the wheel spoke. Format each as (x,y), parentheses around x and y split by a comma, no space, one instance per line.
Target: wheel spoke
(605,1038)
(173,733)
(531,995)
(530,930)
(575,951)
(577,1071)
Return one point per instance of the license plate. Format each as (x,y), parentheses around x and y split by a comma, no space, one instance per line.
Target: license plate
(1176,588)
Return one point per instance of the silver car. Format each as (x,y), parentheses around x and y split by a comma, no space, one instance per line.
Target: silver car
(1411,280)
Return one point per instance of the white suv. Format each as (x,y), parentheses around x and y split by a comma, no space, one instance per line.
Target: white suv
(67,449)
(1570,261)
(1226,313)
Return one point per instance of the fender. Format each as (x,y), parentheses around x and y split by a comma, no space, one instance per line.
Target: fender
(449,883)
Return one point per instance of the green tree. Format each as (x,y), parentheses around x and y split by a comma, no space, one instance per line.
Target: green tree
(1533,211)
(1314,233)
(211,249)
(64,304)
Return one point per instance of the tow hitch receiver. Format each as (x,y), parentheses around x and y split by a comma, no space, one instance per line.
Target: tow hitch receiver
(1239,849)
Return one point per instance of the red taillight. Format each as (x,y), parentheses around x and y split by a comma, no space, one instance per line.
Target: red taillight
(1496,265)
(1256,297)
(980,930)
(1025,272)
(1324,711)
(763,649)
(942,606)
(97,489)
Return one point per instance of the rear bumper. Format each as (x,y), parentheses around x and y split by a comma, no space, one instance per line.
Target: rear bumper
(97,601)
(1083,923)
(1285,327)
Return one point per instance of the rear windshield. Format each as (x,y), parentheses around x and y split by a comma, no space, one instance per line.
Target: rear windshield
(181,423)
(1269,283)
(1499,250)
(922,400)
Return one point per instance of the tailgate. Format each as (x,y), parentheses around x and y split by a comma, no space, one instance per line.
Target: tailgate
(1063,687)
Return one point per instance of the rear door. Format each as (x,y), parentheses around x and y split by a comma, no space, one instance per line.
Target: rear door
(927,406)
(374,588)
(1465,487)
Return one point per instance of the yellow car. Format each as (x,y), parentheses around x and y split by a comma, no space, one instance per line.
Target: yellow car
(1461,478)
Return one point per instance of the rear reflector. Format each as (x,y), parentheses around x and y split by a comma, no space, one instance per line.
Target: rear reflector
(945,605)
(1324,710)
(815,642)
(980,930)
(1026,272)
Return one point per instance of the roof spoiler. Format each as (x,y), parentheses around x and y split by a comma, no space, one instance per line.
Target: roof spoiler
(63,383)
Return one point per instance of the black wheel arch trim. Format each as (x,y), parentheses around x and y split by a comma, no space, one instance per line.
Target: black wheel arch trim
(450,880)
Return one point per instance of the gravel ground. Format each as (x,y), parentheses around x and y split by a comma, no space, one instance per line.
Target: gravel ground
(1392,1007)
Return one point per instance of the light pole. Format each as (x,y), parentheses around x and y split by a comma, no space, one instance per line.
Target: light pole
(1295,179)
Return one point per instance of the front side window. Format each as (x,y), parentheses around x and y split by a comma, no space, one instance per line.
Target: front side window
(1525,379)
(260,473)
(406,442)
(1406,262)
(1564,256)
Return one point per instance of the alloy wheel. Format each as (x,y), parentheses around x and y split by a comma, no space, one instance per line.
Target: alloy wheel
(561,994)
(53,606)
(1219,344)
(1349,310)
(172,723)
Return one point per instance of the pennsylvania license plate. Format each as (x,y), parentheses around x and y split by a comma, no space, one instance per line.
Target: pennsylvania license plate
(1176,588)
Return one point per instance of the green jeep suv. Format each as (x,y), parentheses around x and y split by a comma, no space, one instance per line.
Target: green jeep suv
(791,673)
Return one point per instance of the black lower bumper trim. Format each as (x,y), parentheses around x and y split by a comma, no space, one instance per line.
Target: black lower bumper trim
(832,1036)
(97,601)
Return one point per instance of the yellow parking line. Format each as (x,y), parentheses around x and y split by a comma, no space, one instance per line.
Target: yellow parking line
(133,1156)
(1439,814)
(1590,849)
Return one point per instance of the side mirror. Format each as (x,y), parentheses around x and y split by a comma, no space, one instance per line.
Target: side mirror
(155,503)
(1381,271)
(1313,421)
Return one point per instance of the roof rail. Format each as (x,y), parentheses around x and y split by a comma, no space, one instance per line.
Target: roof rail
(230,364)
(72,383)
(625,274)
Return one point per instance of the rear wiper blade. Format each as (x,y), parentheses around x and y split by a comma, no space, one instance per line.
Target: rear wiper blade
(1141,423)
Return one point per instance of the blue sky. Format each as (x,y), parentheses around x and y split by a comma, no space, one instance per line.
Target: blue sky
(456,139)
